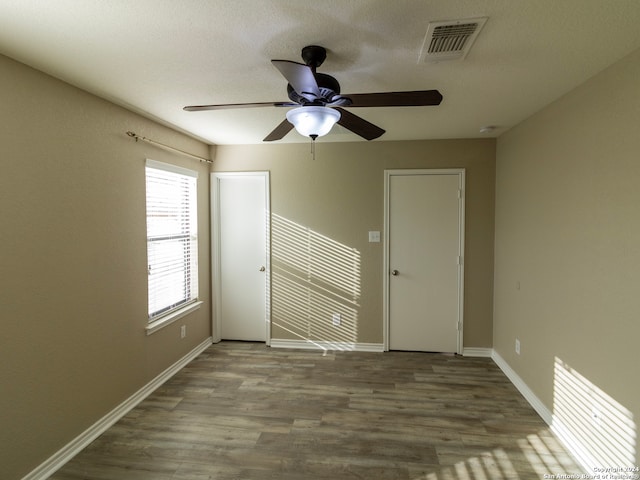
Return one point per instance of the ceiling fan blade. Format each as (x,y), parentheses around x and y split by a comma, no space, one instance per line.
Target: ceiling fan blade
(279,132)
(417,98)
(300,77)
(358,125)
(226,106)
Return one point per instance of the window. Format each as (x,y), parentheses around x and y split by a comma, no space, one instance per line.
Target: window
(172,238)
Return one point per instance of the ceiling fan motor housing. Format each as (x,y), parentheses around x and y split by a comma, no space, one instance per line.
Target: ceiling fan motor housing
(328,86)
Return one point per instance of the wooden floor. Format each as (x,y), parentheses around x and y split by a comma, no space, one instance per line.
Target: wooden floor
(246,411)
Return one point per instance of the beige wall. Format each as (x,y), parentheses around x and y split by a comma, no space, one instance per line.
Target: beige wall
(338,198)
(73,278)
(568,230)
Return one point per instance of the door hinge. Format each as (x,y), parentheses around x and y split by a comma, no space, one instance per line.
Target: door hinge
(459,193)
(460,260)
(459,325)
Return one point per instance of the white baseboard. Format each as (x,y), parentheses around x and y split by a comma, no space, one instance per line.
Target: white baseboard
(477,352)
(574,445)
(568,440)
(324,345)
(523,388)
(62,456)
(358,347)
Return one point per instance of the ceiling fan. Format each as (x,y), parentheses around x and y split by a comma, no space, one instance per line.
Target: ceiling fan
(320,104)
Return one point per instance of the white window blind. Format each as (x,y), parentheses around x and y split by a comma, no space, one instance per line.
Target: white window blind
(172,238)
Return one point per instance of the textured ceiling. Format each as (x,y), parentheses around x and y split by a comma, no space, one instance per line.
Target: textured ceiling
(156,56)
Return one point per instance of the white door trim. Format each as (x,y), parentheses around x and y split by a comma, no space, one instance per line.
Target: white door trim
(215,251)
(386,268)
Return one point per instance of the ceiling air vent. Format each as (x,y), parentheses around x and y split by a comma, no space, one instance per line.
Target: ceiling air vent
(450,40)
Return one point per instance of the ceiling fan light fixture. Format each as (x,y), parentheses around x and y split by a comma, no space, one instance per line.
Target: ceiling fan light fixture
(313,121)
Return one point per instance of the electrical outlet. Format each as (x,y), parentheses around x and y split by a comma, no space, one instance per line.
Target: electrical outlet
(517,346)
(183,331)
(336,319)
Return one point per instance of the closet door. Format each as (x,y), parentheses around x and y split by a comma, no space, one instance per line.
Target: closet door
(240,234)
(425,222)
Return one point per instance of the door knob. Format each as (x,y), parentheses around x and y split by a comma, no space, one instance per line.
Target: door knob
(262,269)
(394,273)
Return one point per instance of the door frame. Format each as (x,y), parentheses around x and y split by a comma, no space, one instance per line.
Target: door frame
(388,174)
(216,273)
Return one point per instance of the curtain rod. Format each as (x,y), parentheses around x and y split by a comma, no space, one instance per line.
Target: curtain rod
(167,147)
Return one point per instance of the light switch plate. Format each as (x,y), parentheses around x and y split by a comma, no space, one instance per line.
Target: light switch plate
(374,237)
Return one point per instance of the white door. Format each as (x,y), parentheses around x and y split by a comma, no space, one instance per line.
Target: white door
(424,235)
(240,235)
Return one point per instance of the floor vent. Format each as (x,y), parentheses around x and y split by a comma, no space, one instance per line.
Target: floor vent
(450,40)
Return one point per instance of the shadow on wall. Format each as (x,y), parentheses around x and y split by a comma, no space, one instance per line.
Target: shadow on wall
(315,286)
(600,431)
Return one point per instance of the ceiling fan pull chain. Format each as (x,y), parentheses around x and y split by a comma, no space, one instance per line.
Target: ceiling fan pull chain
(313,148)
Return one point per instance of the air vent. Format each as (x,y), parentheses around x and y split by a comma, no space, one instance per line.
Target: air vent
(450,40)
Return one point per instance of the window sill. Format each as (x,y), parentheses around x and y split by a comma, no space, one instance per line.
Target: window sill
(172,317)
